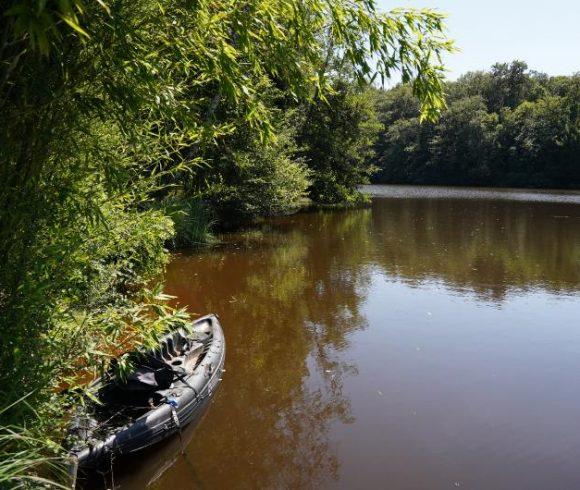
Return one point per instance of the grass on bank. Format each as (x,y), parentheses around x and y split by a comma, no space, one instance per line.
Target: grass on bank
(26,460)
(192,221)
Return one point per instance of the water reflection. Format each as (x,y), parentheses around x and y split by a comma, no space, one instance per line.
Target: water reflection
(288,303)
(322,373)
(490,247)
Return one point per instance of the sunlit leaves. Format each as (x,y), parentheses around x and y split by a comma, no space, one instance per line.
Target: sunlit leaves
(40,21)
(228,42)
(506,127)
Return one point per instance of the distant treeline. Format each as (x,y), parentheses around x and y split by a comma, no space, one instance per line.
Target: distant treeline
(509,126)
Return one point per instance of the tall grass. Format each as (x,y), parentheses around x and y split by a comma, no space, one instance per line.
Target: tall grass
(24,463)
(26,460)
(193,222)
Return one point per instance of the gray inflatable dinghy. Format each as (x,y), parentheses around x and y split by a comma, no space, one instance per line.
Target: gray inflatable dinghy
(169,388)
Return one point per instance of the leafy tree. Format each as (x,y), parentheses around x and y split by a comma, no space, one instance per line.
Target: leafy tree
(337,139)
(505,85)
(402,147)
(543,143)
(509,85)
(248,177)
(507,127)
(462,147)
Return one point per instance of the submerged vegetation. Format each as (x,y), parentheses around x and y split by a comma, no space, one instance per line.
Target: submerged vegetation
(130,125)
(506,127)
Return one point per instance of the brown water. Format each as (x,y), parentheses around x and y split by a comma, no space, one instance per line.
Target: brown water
(431,341)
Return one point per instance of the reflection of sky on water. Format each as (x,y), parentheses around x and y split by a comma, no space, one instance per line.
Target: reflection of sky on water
(436,192)
(452,388)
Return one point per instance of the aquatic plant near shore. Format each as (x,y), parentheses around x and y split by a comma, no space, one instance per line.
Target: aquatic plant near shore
(192,222)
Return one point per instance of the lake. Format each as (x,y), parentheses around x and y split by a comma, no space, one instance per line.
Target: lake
(430,341)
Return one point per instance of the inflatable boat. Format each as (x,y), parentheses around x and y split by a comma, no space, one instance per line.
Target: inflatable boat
(168,388)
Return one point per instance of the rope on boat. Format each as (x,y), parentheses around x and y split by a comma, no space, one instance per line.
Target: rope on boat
(112,455)
(172,402)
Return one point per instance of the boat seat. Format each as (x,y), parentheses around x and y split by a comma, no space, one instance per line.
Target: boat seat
(171,350)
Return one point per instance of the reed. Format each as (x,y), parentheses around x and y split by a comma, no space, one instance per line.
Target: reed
(192,221)
(27,460)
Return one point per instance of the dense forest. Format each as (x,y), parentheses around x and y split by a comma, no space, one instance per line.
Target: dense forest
(505,127)
(127,127)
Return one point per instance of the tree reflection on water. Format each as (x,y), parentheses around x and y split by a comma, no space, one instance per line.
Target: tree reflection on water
(288,303)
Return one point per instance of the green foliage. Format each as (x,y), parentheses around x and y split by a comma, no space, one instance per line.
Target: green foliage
(24,455)
(542,143)
(337,138)
(462,144)
(250,178)
(506,127)
(505,85)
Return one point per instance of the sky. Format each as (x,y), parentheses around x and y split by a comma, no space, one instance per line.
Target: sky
(544,34)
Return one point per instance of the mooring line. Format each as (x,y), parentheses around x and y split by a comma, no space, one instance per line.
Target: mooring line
(173,404)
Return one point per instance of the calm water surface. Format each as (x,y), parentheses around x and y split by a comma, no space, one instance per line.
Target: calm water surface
(431,341)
